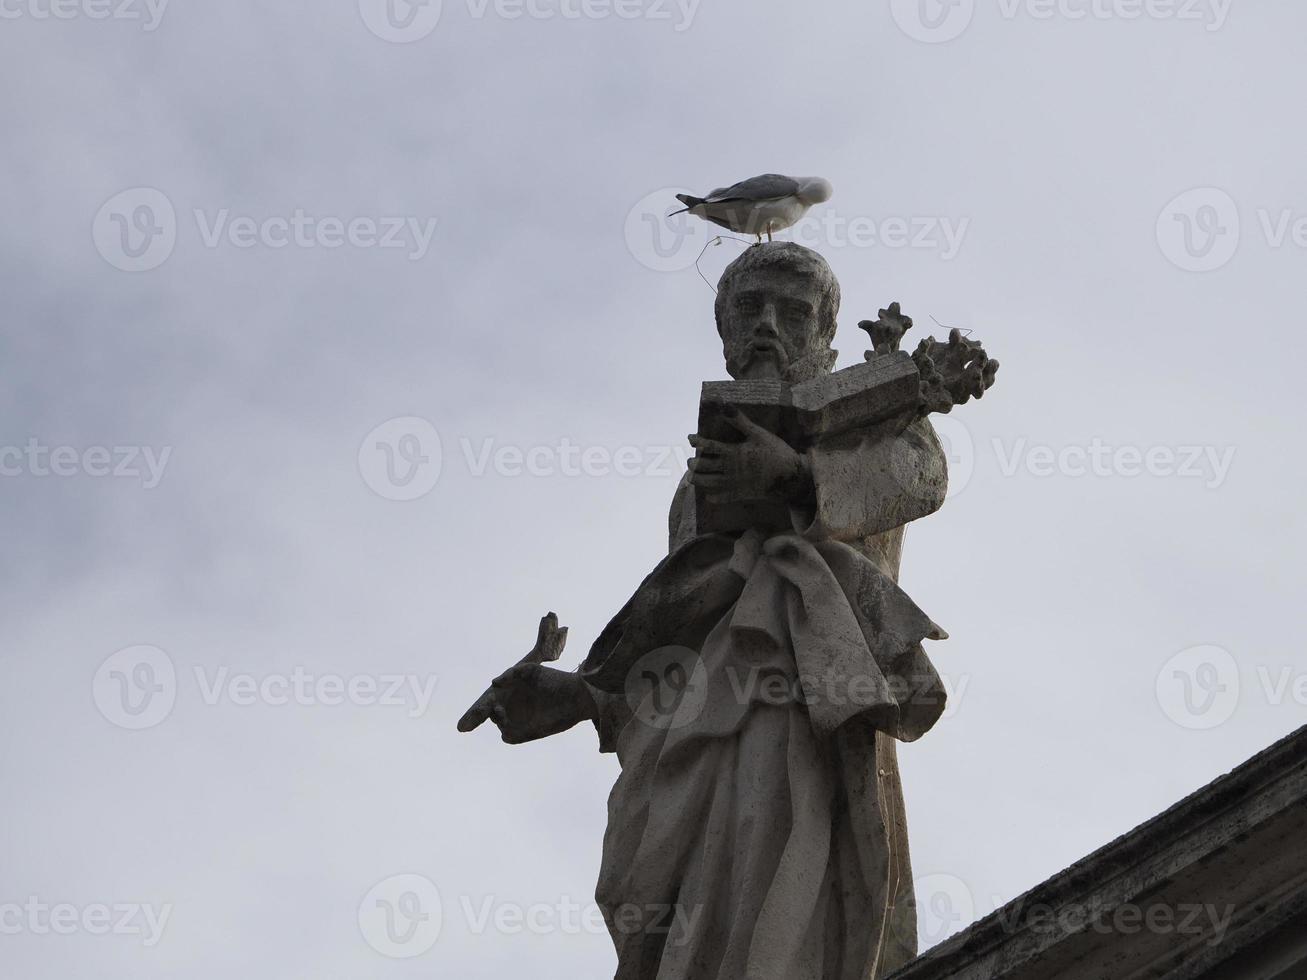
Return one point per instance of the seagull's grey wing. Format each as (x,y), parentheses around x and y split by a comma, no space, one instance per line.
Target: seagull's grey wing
(768,187)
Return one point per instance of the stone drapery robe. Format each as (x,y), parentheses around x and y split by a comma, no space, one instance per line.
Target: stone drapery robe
(757,837)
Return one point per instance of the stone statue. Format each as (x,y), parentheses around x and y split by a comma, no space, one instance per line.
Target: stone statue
(755,684)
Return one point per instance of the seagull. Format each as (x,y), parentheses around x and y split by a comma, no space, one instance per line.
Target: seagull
(760,205)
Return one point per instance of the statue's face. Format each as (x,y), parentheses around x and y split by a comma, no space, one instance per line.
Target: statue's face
(771,320)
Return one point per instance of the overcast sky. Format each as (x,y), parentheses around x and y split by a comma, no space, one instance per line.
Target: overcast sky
(271,270)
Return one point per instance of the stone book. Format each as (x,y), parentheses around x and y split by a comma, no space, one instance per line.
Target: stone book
(848,400)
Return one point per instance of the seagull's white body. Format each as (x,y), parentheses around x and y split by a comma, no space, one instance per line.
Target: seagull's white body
(761,205)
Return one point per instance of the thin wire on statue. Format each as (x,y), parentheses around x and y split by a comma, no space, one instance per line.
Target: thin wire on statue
(716,241)
(965,331)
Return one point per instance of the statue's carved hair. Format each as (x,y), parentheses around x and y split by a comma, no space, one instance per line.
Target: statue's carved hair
(791,258)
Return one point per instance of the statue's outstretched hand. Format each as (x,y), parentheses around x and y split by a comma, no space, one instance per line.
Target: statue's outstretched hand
(531,701)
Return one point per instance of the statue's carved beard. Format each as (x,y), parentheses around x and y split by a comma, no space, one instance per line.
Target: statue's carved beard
(749,362)
(811,365)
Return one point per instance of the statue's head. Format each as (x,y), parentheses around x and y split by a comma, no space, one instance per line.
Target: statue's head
(776,310)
